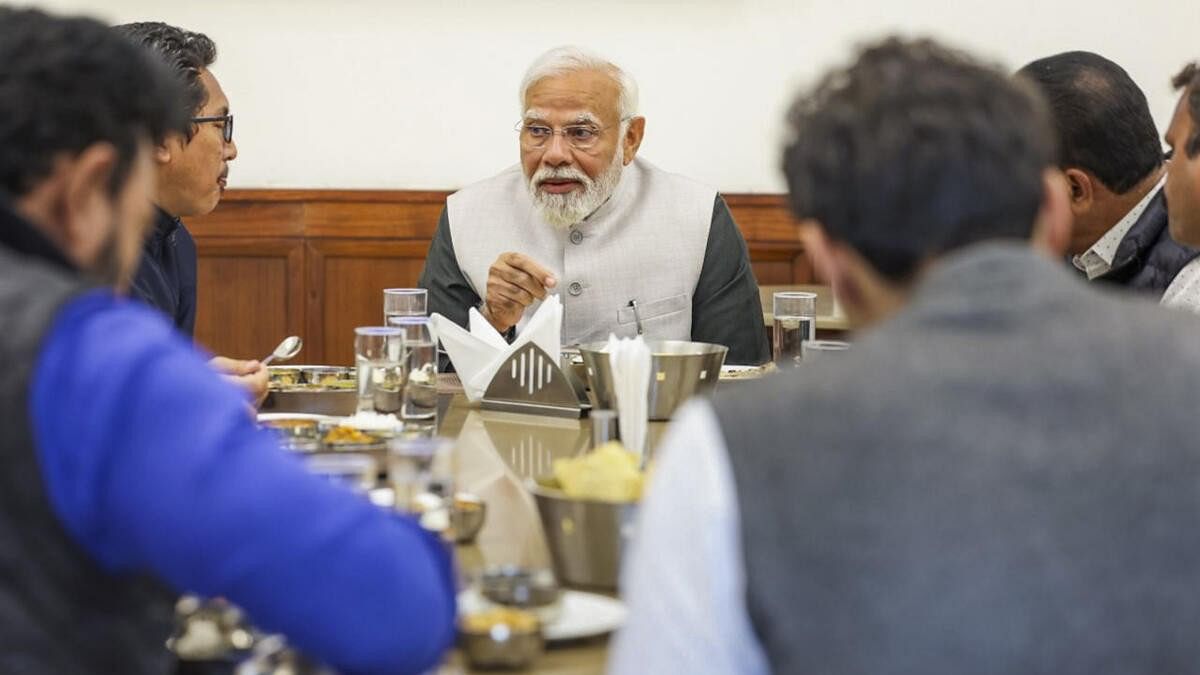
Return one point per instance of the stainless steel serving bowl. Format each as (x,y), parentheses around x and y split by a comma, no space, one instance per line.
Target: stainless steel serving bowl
(586,538)
(678,371)
(535,591)
(519,586)
(502,646)
(467,517)
(321,390)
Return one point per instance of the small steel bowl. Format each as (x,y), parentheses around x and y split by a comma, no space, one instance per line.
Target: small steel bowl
(501,646)
(300,434)
(534,590)
(519,586)
(467,518)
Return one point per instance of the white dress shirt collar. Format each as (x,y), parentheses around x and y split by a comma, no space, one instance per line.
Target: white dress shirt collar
(1098,259)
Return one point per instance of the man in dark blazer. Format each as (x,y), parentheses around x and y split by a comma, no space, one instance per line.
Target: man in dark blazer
(1110,153)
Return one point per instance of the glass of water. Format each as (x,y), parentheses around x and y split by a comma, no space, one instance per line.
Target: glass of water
(421,472)
(420,362)
(819,349)
(795,323)
(379,358)
(402,302)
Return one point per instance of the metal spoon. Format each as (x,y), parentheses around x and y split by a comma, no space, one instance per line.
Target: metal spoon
(287,349)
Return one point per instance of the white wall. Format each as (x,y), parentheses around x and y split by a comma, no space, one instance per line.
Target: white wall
(408,94)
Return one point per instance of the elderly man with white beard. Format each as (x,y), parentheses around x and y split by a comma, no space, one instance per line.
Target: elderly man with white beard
(627,246)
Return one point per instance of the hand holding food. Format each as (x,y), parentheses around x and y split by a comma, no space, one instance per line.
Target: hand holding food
(514,282)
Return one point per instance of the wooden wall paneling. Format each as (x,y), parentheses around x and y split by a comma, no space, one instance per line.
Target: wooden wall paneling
(346,278)
(763,218)
(313,262)
(778,264)
(241,218)
(373,220)
(250,294)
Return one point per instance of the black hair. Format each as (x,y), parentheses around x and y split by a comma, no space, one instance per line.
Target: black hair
(915,150)
(186,52)
(1101,117)
(68,83)
(1188,80)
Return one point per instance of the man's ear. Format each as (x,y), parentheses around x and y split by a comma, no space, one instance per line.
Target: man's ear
(87,203)
(1081,189)
(1052,229)
(164,152)
(829,262)
(633,138)
(818,249)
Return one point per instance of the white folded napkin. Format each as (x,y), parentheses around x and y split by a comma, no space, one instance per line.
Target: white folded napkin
(477,354)
(630,361)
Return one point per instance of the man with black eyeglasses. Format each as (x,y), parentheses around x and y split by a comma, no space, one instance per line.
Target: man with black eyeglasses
(132,473)
(192,171)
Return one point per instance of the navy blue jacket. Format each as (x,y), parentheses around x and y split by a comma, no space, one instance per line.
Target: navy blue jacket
(1148,258)
(166,277)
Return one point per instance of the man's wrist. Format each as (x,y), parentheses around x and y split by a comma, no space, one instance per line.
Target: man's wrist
(487,314)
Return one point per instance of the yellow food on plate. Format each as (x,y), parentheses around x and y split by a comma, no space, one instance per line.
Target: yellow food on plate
(609,473)
(517,620)
(348,436)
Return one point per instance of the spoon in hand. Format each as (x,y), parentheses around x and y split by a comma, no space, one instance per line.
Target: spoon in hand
(287,349)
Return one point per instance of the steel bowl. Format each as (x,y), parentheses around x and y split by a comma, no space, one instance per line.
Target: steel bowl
(302,434)
(586,538)
(572,366)
(678,371)
(536,591)
(467,517)
(501,646)
(321,390)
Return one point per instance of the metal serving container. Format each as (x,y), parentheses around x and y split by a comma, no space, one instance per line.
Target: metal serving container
(467,517)
(586,538)
(533,590)
(321,390)
(678,371)
(501,647)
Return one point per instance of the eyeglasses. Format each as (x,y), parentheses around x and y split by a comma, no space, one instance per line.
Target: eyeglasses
(535,135)
(226,124)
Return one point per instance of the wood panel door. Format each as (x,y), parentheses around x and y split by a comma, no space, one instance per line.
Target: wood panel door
(250,294)
(346,278)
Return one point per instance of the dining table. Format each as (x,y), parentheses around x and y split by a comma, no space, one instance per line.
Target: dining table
(496,454)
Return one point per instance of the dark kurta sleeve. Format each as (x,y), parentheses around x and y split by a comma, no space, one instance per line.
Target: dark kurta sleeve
(726,308)
(450,294)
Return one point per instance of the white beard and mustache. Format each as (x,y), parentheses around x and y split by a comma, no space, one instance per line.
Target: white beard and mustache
(564,210)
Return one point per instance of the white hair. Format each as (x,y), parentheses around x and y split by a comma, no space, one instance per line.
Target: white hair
(563,60)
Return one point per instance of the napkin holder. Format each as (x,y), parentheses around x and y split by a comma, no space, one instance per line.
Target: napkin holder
(531,382)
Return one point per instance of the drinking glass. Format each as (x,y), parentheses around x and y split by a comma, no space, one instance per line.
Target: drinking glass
(356,471)
(401,302)
(379,358)
(421,472)
(819,349)
(421,364)
(795,323)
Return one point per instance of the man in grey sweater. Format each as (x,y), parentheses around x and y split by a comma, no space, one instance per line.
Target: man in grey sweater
(1000,477)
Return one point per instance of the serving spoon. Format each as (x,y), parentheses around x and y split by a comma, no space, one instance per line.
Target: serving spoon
(286,350)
